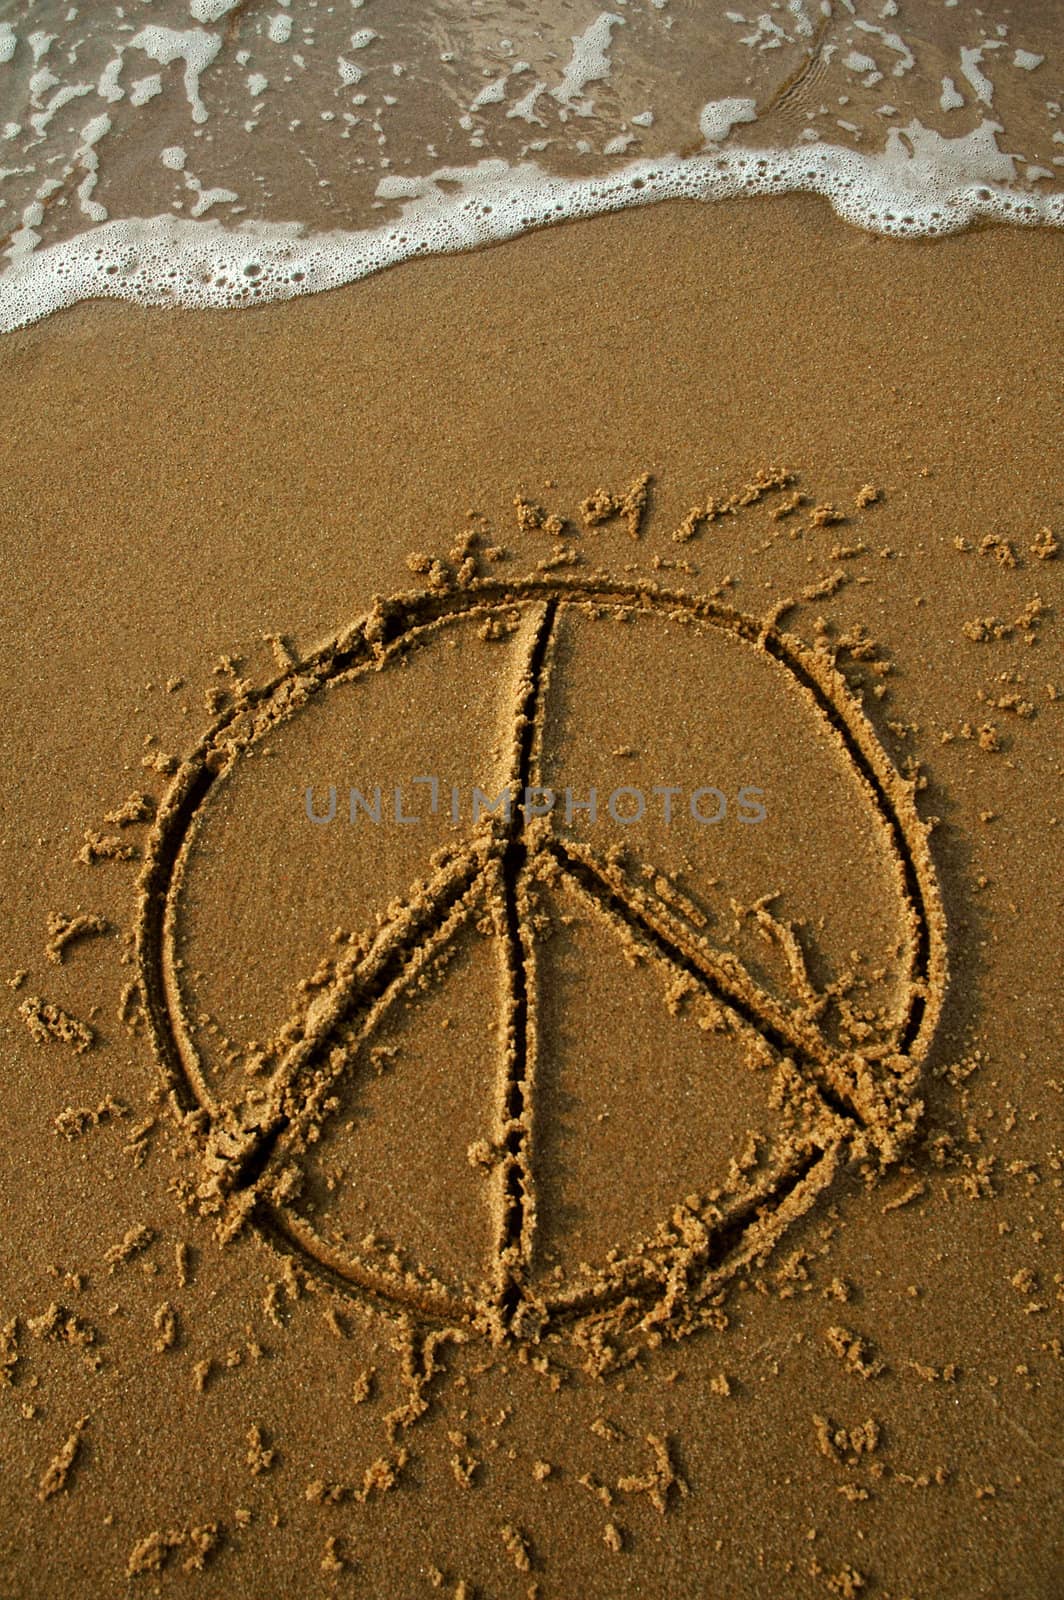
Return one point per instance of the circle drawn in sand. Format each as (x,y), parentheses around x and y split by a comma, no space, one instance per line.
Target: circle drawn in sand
(254,1143)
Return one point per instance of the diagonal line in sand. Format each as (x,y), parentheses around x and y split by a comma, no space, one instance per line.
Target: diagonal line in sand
(410,937)
(841,1082)
(663,1279)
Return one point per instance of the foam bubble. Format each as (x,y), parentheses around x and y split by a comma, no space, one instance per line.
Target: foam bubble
(921,185)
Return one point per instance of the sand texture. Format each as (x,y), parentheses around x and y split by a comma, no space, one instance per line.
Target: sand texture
(412,1186)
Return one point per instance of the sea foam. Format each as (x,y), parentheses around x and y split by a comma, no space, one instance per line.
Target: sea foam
(921,185)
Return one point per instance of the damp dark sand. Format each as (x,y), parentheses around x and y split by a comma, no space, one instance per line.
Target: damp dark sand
(479,1209)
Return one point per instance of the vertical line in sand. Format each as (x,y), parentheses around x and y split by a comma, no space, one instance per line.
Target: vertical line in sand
(513,1245)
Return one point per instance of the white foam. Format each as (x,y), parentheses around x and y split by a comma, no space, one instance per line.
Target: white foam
(893,41)
(40,83)
(40,43)
(768,35)
(802,25)
(8,42)
(108,87)
(206,198)
(195,47)
(590,60)
(719,117)
(491,94)
(85,154)
(145,89)
(209,10)
(920,185)
(970,63)
(525,108)
(61,98)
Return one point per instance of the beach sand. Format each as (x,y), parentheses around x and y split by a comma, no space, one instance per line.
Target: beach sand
(866,1406)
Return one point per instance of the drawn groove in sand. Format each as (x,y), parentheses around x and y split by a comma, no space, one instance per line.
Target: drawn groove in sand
(518,1204)
(866,1101)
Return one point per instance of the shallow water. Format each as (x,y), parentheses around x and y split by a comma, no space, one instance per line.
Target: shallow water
(221,151)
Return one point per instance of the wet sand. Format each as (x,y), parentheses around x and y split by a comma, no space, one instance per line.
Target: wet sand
(333,1351)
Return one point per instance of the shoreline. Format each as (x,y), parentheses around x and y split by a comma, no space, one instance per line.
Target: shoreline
(166,260)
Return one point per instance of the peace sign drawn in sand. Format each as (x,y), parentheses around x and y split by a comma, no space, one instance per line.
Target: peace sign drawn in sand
(839,1094)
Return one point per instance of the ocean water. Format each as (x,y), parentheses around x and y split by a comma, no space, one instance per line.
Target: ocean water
(228,152)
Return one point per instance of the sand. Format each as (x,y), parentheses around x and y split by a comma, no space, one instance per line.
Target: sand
(518,1205)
